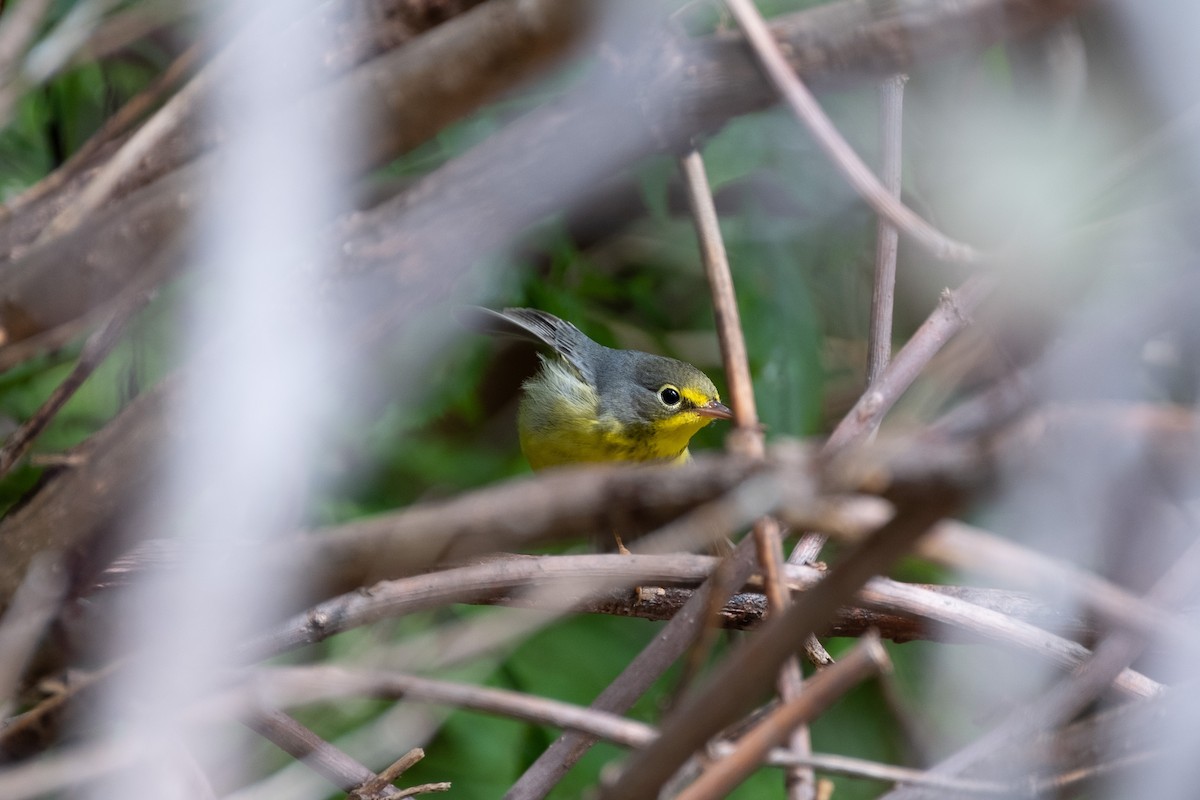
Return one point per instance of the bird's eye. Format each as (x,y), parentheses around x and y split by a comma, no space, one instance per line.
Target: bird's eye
(669,395)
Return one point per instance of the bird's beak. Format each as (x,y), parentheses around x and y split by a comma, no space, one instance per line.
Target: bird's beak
(714,409)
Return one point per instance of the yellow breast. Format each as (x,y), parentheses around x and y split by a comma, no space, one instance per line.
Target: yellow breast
(559,423)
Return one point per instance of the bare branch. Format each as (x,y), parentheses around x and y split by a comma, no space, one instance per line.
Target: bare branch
(748,437)
(95,350)
(740,677)
(857,173)
(953,313)
(821,691)
(377,786)
(883,296)
(317,754)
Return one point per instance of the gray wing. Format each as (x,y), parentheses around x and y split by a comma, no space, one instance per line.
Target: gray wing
(539,327)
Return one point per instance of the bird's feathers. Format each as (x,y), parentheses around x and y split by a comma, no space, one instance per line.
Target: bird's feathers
(538,327)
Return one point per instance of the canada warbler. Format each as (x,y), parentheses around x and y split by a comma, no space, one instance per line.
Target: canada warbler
(589,402)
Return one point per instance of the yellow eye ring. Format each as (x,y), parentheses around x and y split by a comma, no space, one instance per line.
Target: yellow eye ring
(670,396)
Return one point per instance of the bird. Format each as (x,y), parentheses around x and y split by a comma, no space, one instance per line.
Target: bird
(590,403)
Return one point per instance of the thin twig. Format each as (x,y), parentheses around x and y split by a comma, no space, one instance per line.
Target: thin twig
(670,643)
(1070,696)
(748,436)
(317,754)
(968,549)
(95,350)
(373,788)
(289,685)
(560,581)
(16,731)
(69,767)
(857,174)
(424,788)
(113,127)
(724,298)
(953,313)
(739,678)
(122,163)
(820,692)
(883,296)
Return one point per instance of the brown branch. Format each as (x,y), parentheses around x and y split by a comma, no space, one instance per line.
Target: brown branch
(425,788)
(566,583)
(70,512)
(694,87)
(671,642)
(747,610)
(747,437)
(675,639)
(314,752)
(953,313)
(74,766)
(968,549)
(406,97)
(739,678)
(135,151)
(95,350)
(26,733)
(883,295)
(820,692)
(293,685)
(1069,697)
(351,40)
(724,299)
(381,783)
(576,502)
(856,173)
(52,286)
(105,137)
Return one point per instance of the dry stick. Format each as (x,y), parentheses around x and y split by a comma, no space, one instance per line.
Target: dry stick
(113,127)
(883,296)
(725,310)
(1071,696)
(380,783)
(95,350)
(317,754)
(820,692)
(558,580)
(747,436)
(953,313)
(671,642)
(129,156)
(850,767)
(468,640)
(316,683)
(739,679)
(424,788)
(856,173)
(968,549)
(42,716)
(77,765)
(746,611)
